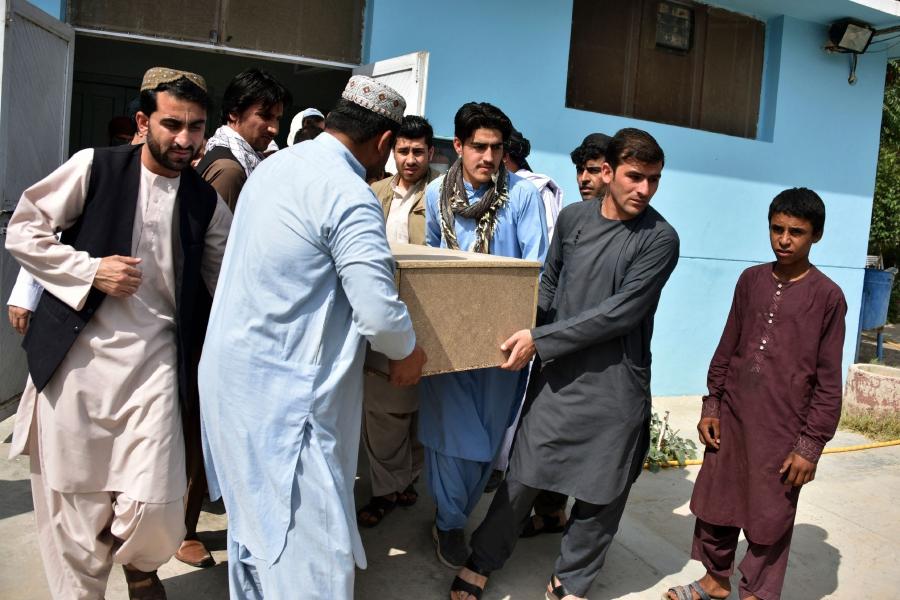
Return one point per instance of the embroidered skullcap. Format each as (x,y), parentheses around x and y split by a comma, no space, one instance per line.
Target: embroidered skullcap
(375,96)
(156,76)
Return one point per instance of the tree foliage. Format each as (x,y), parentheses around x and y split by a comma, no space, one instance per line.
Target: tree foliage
(884,234)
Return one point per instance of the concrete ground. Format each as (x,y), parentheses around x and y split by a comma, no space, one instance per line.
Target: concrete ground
(845,541)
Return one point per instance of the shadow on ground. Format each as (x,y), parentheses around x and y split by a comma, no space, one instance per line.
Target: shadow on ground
(199,583)
(813,567)
(16,495)
(654,539)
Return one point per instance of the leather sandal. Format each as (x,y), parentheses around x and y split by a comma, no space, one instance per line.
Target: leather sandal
(407,497)
(684,592)
(144,585)
(550,524)
(377,509)
(461,585)
(557,592)
(193,552)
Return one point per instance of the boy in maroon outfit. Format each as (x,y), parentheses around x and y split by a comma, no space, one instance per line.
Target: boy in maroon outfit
(774,402)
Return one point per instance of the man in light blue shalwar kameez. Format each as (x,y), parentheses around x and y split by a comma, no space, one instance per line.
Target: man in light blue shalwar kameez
(307,278)
(478,206)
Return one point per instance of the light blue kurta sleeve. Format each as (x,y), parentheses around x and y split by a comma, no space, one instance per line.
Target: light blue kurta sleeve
(365,267)
(531,222)
(433,213)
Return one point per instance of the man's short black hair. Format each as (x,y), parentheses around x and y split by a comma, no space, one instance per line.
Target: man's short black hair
(586,152)
(358,123)
(636,144)
(249,87)
(478,115)
(593,147)
(415,127)
(182,88)
(518,148)
(802,203)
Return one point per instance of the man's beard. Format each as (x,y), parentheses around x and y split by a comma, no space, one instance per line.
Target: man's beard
(161,156)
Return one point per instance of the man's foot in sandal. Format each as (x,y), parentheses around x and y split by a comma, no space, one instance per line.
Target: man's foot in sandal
(407,497)
(557,591)
(469,583)
(143,585)
(376,510)
(707,587)
(538,524)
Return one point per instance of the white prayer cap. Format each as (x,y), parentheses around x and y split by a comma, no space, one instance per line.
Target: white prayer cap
(375,96)
(310,112)
(297,122)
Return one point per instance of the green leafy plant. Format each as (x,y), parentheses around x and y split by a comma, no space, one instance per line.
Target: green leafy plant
(884,234)
(666,445)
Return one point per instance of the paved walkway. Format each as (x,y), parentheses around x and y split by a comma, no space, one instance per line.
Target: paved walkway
(845,542)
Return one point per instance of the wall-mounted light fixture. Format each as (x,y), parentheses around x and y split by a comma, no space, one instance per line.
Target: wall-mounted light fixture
(852,37)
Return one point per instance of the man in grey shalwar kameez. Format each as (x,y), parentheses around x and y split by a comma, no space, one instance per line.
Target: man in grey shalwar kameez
(585,426)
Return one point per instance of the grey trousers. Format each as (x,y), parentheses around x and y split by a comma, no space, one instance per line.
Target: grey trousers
(586,540)
(395,454)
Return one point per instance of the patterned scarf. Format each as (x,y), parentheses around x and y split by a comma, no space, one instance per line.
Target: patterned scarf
(227,137)
(455,201)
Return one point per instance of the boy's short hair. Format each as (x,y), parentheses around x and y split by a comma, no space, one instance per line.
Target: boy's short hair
(802,203)
(478,115)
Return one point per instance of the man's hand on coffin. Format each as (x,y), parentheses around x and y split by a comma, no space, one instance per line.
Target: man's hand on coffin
(118,276)
(18,318)
(520,347)
(408,371)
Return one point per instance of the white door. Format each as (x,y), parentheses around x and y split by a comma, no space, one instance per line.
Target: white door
(408,74)
(36,57)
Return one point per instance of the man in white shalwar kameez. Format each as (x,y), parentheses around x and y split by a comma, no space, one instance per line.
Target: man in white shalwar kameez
(307,278)
(100,416)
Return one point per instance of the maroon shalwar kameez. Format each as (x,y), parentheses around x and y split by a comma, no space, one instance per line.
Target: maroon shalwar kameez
(775,384)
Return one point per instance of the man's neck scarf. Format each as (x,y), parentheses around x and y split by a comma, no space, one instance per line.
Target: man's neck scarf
(455,201)
(227,137)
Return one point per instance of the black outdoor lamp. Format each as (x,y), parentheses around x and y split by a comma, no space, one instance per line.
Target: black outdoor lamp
(850,37)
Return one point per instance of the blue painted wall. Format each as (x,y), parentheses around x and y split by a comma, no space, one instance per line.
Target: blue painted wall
(815,131)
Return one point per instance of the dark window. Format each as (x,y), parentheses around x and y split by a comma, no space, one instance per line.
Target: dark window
(325,29)
(682,63)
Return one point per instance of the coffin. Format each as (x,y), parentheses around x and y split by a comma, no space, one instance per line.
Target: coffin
(463,305)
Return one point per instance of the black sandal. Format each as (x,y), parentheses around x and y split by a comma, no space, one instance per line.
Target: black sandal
(407,497)
(377,508)
(551,524)
(557,592)
(460,585)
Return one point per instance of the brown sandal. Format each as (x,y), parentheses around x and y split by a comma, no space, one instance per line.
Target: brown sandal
(407,497)
(144,585)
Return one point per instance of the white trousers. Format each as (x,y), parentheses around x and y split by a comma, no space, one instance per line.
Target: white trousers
(81,535)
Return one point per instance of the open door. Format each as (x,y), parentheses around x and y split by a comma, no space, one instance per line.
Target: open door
(36,57)
(408,74)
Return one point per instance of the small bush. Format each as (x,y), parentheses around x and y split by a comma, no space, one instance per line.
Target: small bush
(667,445)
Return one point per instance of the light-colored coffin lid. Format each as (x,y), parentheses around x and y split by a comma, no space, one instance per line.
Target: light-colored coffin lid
(409,256)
